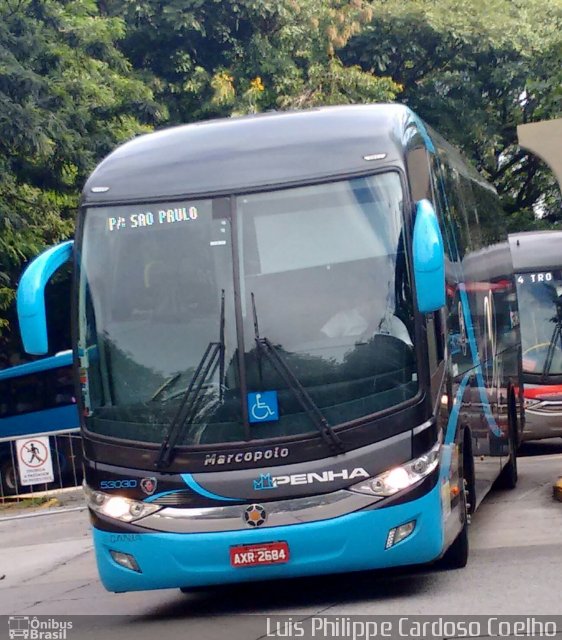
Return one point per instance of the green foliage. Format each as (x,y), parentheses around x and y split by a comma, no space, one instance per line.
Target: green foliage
(475,71)
(77,77)
(223,57)
(67,96)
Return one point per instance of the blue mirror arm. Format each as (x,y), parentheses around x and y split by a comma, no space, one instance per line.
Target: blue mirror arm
(31,296)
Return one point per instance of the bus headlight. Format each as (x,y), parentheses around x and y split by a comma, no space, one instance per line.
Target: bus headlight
(394,480)
(118,507)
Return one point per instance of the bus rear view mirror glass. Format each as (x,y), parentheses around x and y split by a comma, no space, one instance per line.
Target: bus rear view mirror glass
(429,259)
(31,296)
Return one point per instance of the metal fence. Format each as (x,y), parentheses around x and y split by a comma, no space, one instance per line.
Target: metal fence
(42,462)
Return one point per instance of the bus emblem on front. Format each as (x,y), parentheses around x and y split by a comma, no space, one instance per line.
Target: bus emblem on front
(148,485)
(255,515)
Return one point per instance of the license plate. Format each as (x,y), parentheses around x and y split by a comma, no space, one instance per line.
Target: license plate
(251,555)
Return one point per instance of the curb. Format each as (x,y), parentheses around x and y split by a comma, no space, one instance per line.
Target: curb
(52,502)
(557,490)
(56,501)
(42,512)
(53,492)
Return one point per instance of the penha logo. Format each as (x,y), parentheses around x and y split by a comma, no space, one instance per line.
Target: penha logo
(267,481)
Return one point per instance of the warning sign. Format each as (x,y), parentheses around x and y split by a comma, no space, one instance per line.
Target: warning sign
(34,460)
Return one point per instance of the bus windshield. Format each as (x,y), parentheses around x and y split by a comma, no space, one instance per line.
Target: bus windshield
(540,307)
(176,296)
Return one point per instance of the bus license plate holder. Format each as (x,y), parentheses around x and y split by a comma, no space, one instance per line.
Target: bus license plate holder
(254,555)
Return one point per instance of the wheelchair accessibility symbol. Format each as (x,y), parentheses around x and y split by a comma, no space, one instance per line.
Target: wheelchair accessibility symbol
(262,406)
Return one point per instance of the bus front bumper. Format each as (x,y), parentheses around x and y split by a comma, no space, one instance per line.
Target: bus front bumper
(353,542)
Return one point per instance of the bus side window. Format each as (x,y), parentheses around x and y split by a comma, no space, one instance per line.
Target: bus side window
(63,387)
(26,393)
(435,340)
(4,399)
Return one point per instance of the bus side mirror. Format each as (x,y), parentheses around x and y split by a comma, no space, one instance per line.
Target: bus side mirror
(31,297)
(429,259)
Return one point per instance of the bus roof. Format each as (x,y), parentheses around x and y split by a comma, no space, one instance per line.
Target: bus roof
(532,250)
(240,154)
(61,359)
(488,264)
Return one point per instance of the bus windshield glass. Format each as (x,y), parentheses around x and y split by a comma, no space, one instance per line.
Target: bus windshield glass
(540,307)
(319,273)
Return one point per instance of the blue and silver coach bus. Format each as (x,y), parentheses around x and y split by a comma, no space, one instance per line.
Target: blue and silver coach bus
(292,352)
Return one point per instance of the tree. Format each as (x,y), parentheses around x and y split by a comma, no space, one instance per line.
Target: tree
(475,71)
(224,57)
(67,96)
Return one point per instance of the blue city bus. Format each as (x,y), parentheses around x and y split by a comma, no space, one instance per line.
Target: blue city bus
(38,398)
(297,341)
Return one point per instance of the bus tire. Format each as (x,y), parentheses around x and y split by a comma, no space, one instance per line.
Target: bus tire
(456,556)
(8,480)
(508,476)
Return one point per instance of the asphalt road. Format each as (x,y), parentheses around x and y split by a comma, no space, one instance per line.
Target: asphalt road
(515,567)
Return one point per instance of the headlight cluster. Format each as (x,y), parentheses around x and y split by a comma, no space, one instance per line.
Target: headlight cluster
(394,480)
(118,507)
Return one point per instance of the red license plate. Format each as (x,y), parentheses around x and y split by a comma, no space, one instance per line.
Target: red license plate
(251,555)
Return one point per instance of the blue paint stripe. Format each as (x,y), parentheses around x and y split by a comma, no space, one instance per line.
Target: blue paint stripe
(476,359)
(451,431)
(195,486)
(454,415)
(424,133)
(62,359)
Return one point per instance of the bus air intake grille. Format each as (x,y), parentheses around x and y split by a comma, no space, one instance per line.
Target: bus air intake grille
(174,499)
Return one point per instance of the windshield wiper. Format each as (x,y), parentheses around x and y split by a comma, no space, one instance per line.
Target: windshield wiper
(191,401)
(311,409)
(554,340)
(164,386)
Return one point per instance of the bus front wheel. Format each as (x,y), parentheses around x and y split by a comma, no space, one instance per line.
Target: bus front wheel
(456,556)
(8,480)
(508,476)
